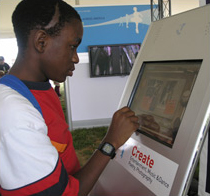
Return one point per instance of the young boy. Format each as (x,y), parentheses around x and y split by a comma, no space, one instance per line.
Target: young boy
(36,149)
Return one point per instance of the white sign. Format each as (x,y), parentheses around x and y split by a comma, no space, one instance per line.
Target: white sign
(152,169)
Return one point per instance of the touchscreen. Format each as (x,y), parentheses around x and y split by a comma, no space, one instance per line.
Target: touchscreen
(160,97)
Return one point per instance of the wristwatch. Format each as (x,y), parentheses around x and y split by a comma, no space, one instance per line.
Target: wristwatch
(107,149)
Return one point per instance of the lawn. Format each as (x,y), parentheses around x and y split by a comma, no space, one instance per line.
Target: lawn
(86,141)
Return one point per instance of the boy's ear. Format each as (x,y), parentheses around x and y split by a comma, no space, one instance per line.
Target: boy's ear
(40,40)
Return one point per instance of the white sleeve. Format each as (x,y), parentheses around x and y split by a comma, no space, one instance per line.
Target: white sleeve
(26,153)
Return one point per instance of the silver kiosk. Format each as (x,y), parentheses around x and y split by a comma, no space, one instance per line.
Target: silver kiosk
(169,89)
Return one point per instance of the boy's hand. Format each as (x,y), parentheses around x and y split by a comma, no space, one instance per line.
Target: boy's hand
(124,123)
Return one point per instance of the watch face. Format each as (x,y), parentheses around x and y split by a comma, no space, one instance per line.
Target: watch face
(107,148)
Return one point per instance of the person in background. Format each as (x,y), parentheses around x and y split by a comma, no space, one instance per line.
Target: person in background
(37,156)
(4,67)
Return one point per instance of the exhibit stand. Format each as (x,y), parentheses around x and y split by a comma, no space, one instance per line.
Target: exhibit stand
(169,90)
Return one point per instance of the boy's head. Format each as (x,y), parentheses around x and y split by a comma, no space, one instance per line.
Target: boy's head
(48,33)
(37,14)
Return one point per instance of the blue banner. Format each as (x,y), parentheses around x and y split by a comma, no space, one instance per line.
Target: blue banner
(114,24)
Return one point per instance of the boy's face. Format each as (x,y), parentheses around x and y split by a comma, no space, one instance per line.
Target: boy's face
(59,56)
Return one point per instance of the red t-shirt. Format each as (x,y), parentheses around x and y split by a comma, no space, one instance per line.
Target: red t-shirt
(60,181)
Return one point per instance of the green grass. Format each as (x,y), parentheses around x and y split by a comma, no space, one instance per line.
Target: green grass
(86,141)
(86,137)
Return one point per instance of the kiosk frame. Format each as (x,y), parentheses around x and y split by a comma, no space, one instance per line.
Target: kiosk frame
(141,162)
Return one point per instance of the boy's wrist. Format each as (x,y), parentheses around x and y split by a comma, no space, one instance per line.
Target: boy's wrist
(107,149)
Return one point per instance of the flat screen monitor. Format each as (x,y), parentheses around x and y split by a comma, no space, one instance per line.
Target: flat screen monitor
(112,60)
(160,96)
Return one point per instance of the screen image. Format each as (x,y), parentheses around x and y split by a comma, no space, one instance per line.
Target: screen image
(112,60)
(160,97)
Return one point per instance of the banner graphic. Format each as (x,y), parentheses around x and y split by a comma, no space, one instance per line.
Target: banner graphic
(152,169)
(114,24)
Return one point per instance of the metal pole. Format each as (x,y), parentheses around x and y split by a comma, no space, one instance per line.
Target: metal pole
(68,104)
(152,14)
(160,8)
(169,7)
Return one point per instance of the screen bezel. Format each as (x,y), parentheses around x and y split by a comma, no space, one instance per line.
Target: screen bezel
(178,74)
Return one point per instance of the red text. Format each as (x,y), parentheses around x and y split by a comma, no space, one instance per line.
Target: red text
(142,157)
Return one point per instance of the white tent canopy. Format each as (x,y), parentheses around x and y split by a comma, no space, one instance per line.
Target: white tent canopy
(6,9)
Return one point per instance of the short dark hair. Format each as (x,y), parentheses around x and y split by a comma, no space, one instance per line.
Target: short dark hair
(37,14)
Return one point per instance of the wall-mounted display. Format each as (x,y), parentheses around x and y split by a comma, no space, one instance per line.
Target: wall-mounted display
(112,60)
